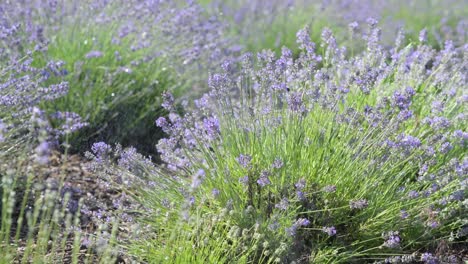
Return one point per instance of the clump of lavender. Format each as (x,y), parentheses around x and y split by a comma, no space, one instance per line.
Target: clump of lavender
(24,126)
(129,53)
(348,127)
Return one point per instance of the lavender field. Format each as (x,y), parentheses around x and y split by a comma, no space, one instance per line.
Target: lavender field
(234,131)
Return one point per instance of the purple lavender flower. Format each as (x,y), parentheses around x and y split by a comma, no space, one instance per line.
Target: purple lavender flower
(407,141)
(215,192)
(402,100)
(445,147)
(392,239)
(300,184)
(101,149)
(353,26)
(428,258)
(433,224)
(162,122)
(300,195)
(42,152)
(358,204)
(263,179)
(460,137)
(202,103)
(168,101)
(211,126)
(405,115)
(244,160)
(197,178)
(303,39)
(191,200)
(292,230)
(404,214)
(413,194)
(423,36)
(283,204)
(302,222)
(278,163)
(244,180)
(296,103)
(329,188)
(331,231)
(94,54)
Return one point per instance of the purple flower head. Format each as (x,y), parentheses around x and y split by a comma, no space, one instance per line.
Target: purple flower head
(433,224)
(101,150)
(423,36)
(94,54)
(331,231)
(302,222)
(358,204)
(405,115)
(428,258)
(85,242)
(215,192)
(278,163)
(437,107)
(329,188)
(413,194)
(197,178)
(162,122)
(274,226)
(129,158)
(211,126)
(459,136)
(202,103)
(283,204)
(300,184)
(219,84)
(292,230)
(437,122)
(353,26)
(328,38)
(263,179)
(303,39)
(246,60)
(191,201)
(408,142)
(42,152)
(404,214)
(392,239)
(295,102)
(372,22)
(168,101)
(445,147)
(244,160)
(402,100)
(300,195)
(244,180)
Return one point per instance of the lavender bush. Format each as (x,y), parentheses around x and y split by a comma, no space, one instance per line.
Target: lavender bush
(360,160)
(118,58)
(38,220)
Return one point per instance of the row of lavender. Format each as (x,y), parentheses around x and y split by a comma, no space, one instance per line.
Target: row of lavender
(330,155)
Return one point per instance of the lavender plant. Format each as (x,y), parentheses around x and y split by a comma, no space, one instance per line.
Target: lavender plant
(38,223)
(360,160)
(118,58)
